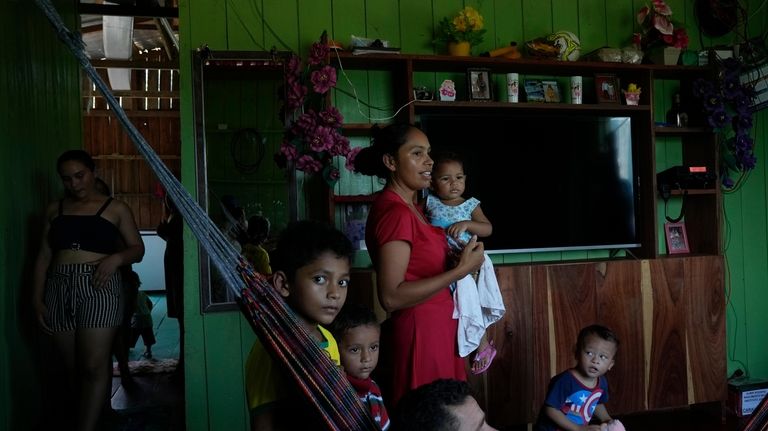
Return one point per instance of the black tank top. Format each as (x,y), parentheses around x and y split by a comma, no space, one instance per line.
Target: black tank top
(91,233)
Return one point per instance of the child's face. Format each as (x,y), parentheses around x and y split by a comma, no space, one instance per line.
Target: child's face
(318,290)
(359,350)
(448,180)
(595,357)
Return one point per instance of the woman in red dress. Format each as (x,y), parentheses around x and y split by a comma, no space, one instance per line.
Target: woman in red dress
(411,261)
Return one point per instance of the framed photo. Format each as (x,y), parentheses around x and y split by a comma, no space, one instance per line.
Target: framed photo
(479,84)
(551,91)
(534,91)
(677,238)
(607,88)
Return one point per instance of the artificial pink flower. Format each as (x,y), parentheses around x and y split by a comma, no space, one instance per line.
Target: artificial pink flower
(308,164)
(288,150)
(318,53)
(662,24)
(323,79)
(661,8)
(331,117)
(320,139)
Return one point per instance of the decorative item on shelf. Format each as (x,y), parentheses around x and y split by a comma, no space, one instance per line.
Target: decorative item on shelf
(534,91)
(666,55)
(561,45)
(607,88)
(509,51)
(726,104)
(513,87)
(447,91)
(676,115)
(576,90)
(312,135)
(479,84)
(422,94)
(551,91)
(631,55)
(632,94)
(658,33)
(677,238)
(461,32)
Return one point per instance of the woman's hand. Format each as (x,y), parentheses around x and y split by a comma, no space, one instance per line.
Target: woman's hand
(41,311)
(472,256)
(105,269)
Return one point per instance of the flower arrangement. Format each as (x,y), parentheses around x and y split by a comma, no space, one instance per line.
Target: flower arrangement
(312,136)
(658,29)
(726,105)
(465,26)
(632,94)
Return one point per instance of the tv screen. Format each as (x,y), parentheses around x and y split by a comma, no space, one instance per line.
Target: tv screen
(546,182)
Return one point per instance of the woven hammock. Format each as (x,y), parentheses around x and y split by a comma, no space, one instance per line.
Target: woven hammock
(276,325)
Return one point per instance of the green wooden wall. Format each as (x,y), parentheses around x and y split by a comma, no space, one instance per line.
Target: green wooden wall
(215,390)
(39,118)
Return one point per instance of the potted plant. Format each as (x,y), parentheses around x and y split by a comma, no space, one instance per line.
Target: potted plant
(660,38)
(726,104)
(312,135)
(461,32)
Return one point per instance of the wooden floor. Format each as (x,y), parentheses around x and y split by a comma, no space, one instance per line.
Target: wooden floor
(154,400)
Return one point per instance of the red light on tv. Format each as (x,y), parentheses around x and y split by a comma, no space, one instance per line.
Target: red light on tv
(697,169)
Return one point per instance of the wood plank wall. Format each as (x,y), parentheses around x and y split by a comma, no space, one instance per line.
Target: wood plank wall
(118,162)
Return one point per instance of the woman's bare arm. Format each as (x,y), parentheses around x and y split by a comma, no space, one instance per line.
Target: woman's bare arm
(395,293)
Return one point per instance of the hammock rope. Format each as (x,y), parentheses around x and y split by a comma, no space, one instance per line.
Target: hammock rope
(322,382)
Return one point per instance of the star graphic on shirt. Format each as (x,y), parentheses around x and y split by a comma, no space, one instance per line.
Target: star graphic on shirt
(582,398)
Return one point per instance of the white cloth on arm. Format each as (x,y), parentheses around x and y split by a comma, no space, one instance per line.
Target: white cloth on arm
(477,305)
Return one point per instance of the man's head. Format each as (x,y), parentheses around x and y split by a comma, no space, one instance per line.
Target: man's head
(310,268)
(357,331)
(443,405)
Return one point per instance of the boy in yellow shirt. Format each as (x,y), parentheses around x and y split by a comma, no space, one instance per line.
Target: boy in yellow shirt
(311,271)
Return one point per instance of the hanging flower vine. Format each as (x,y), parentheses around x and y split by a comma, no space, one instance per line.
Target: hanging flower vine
(726,103)
(312,136)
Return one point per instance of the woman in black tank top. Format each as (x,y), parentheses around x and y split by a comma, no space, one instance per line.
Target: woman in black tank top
(78,295)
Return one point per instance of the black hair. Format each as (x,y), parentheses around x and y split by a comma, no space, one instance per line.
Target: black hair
(426,407)
(598,330)
(102,187)
(301,242)
(258,228)
(352,316)
(385,140)
(445,157)
(130,277)
(77,156)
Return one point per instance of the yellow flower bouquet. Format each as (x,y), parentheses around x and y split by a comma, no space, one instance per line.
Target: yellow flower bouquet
(465,26)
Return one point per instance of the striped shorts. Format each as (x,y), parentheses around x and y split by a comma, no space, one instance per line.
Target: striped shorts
(74,303)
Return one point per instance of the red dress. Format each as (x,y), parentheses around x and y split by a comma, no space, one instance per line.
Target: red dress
(419,342)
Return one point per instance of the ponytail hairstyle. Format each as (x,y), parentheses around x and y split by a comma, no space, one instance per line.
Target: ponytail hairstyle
(385,140)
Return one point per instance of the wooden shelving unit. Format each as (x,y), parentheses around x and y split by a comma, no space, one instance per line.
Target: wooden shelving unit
(699,144)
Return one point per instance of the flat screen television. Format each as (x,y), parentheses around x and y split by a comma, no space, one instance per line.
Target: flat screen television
(547,182)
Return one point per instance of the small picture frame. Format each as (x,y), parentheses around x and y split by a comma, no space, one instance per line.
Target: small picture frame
(534,91)
(677,238)
(607,88)
(479,84)
(551,91)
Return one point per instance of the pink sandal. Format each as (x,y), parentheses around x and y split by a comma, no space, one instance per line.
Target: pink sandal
(488,353)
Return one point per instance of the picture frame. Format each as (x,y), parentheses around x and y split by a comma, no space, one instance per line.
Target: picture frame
(677,238)
(479,84)
(607,88)
(534,91)
(551,91)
